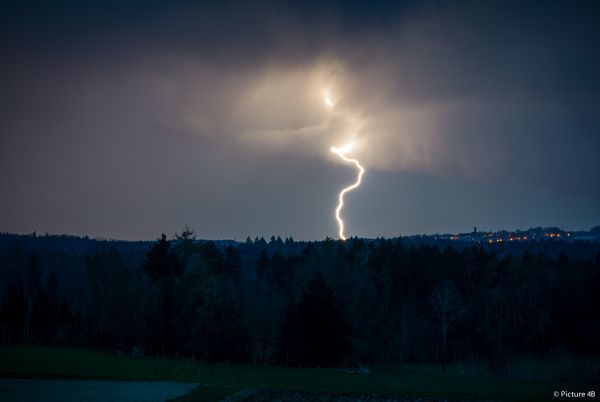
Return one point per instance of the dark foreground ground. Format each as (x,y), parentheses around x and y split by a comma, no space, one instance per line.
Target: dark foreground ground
(159,379)
(48,390)
(278,395)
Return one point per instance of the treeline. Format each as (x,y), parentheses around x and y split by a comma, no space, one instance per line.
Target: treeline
(327,303)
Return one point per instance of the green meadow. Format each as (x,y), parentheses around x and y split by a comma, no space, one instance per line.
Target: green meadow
(218,380)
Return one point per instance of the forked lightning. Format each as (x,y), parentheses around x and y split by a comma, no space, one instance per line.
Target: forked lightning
(341,153)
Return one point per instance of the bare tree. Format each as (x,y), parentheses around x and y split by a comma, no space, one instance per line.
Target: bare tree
(447,308)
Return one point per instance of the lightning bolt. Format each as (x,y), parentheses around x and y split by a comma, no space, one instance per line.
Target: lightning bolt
(341,153)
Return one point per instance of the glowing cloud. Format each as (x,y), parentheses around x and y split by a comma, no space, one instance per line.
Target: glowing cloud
(327,99)
(341,153)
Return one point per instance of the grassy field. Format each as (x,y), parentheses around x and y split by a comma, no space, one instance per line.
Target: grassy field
(217,380)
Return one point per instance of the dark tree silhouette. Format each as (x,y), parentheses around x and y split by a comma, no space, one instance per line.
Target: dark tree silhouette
(231,264)
(315,333)
(162,265)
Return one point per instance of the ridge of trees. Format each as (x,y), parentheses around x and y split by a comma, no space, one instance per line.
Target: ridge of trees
(325,304)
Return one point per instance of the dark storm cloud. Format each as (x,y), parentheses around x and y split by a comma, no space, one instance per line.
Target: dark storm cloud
(125,119)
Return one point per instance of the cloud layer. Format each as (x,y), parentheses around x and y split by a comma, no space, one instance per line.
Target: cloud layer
(126,119)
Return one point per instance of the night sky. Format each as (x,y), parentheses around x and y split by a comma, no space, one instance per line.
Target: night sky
(131,118)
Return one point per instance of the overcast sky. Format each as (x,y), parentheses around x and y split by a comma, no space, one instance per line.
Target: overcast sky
(126,119)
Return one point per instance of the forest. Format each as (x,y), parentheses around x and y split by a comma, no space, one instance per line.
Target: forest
(303,304)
